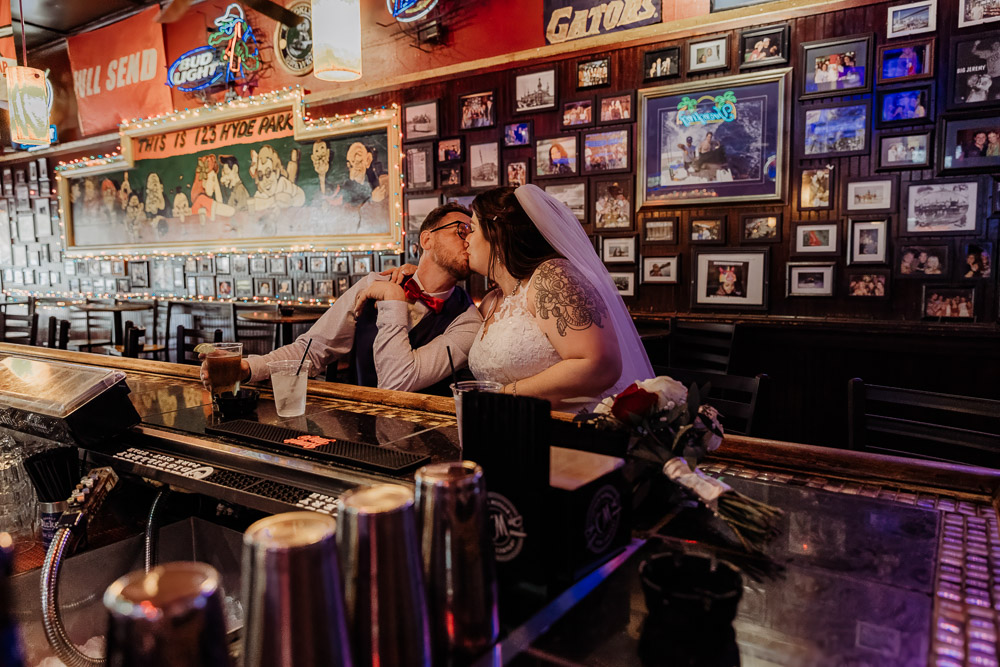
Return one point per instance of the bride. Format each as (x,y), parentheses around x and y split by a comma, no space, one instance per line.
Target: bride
(555,327)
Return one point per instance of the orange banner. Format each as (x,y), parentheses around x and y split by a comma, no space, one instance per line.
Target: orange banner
(120,72)
(7,48)
(275,125)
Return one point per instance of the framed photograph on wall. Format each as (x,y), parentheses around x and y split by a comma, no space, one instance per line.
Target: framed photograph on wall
(139,273)
(664,270)
(206,285)
(906,61)
(556,156)
(942,208)
(971,72)
(977,12)
(809,278)
(284,288)
(661,64)
(816,189)
(26,226)
(361,264)
(340,264)
(535,91)
(976,260)
(817,239)
(223,287)
(323,289)
(450,176)
(258,265)
(484,165)
(868,283)
(43,216)
(593,73)
(420,120)
(577,112)
(450,150)
(836,129)
(873,194)
(911,19)
(611,203)
(920,260)
(263,287)
(724,161)
(624,282)
(616,108)
(764,47)
(760,227)
(838,66)
(969,144)
(243,288)
(707,54)
(477,111)
(277,265)
(708,230)
(868,241)
(941,302)
(420,166)
(517,172)
(619,249)
(606,151)
(222,264)
(517,134)
(318,265)
(910,106)
(659,227)
(904,151)
(417,208)
(730,279)
(573,194)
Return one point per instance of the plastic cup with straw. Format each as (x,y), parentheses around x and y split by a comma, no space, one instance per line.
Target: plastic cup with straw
(289,384)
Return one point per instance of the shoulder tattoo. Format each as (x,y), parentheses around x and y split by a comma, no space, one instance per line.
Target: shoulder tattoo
(563,294)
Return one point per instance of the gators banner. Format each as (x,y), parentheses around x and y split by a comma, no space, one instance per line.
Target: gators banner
(566,20)
(120,72)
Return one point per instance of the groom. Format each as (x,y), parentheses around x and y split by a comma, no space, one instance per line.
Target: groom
(401,333)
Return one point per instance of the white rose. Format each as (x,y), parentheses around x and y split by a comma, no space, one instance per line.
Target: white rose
(667,390)
(604,407)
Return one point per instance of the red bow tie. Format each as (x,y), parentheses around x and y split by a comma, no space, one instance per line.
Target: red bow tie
(414,292)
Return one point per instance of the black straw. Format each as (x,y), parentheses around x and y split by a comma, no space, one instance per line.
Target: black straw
(454,378)
(303,359)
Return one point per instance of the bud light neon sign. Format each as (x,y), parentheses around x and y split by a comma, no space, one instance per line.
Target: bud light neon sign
(230,55)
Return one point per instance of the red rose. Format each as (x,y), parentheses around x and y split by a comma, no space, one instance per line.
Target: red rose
(634,402)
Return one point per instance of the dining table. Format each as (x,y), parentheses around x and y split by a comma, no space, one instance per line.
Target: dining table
(286,320)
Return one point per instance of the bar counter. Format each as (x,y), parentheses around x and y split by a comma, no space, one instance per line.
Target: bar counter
(887,561)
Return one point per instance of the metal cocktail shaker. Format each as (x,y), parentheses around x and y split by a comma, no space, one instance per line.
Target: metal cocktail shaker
(173,615)
(459,569)
(292,593)
(383,582)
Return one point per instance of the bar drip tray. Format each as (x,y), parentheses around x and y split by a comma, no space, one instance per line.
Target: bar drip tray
(346,452)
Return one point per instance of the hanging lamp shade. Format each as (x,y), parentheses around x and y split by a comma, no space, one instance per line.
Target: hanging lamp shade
(336,33)
(29,106)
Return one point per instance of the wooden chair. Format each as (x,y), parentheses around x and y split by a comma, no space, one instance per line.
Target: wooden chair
(21,329)
(259,337)
(923,424)
(98,328)
(738,399)
(58,333)
(701,346)
(131,347)
(188,339)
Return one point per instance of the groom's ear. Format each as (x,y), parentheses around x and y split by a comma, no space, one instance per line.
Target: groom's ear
(425,239)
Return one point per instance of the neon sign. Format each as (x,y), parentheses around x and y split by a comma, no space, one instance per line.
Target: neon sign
(406,11)
(722,111)
(230,55)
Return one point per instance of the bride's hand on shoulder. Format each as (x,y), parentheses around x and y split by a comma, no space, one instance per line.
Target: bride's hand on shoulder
(398,274)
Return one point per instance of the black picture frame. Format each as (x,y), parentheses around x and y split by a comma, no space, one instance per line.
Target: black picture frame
(810,52)
(957,136)
(867,283)
(579,113)
(612,244)
(794,270)
(616,162)
(913,261)
(624,112)
(471,117)
(612,204)
(653,266)
(660,228)
(257,265)
(984,263)
(277,265)
(660,71)
(413,125)
(748,290)
(952,296)
(319,264)
(821,130)
(969,84)
(566,162)
(518,133)
(512,176)
(589,75)
(707,230)
(937,193)
(450,175)
(857,252)
(857,200)
(696,67)
(413,154)
(810,187)
(451,149)
(532,96)
(815,238)
(888,100)
(888,143)
(482,172)
(760,227)
(577,186)
(751,38)
(889,65)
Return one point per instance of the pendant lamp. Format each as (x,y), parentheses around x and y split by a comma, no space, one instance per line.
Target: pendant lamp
(29,106)
(336,33)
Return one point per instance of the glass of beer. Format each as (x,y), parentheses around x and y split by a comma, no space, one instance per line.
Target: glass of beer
(222,364)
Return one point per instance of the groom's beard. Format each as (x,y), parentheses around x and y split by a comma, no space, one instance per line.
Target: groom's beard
(457,267)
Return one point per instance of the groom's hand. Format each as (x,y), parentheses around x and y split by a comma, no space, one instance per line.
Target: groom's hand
(380,290)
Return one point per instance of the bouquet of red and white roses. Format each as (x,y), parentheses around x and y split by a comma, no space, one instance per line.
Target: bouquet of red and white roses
(671,429)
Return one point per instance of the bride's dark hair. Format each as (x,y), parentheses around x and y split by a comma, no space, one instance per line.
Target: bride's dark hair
(515,241)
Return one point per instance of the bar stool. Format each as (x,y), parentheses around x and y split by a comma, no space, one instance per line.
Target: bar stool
(188,339)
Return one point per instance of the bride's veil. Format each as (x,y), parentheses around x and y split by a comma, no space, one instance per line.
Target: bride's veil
(564,233)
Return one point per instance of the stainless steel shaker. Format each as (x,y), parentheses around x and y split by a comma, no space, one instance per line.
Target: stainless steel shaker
(459,568)
(383,581)
(294,606)
(172,615)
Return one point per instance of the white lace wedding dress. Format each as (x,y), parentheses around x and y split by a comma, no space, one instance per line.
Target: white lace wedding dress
(513,347)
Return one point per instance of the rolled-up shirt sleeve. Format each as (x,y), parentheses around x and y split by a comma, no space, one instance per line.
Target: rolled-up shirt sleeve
(403,368)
